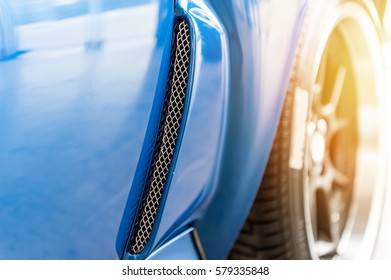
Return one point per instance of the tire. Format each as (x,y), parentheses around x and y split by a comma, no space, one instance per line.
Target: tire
(322,192)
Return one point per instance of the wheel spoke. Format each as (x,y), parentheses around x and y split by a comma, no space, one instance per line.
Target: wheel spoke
(328,221)
(338,86)
(340,178)
(320,82)
(335,126)
(335,200)
(317,99)
(333,174)
(340,124)
(323,67)
(331,107)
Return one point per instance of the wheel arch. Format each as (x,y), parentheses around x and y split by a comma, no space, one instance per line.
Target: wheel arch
(263,42)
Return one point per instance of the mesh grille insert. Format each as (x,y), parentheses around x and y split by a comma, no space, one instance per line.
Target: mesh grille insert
(166,138)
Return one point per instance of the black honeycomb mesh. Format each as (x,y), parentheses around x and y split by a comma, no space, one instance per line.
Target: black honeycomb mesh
(166,138)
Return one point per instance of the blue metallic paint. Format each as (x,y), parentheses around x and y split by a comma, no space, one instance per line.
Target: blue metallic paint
(181,247)
(72,123)
(193,169)
(263,39)
(195,175)
(255,93)
(80,95)
(163,45)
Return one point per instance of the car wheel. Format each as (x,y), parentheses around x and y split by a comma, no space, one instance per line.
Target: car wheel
(322,192)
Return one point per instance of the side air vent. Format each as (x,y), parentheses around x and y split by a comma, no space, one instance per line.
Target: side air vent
(167,135)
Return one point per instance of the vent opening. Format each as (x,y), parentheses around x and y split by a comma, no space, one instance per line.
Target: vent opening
(167,136)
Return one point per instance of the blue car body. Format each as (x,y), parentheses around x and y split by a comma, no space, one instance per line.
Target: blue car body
(81,88)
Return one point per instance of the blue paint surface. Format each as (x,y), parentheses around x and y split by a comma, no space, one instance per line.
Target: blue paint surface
(81,88)
(262,38)
(72,124)
(182,247)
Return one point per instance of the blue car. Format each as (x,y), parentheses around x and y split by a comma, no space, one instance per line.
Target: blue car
(191,129)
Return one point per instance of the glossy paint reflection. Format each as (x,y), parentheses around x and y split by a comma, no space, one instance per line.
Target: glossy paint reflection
(197,165)
(263,39)
(72,122)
